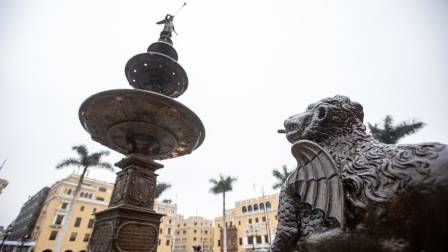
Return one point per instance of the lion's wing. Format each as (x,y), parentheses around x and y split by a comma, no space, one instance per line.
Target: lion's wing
(317,180)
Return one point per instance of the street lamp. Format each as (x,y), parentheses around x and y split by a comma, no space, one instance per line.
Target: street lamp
(5,236)
(24,238)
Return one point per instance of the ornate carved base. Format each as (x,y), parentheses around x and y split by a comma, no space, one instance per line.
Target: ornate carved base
(130,223)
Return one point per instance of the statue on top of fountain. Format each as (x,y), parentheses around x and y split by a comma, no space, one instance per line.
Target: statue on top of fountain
(353,193)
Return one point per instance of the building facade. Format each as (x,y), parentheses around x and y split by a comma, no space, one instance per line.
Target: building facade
(252,222)
(24,223)
(94,196)
(193,231)
(3,184)
(168,226)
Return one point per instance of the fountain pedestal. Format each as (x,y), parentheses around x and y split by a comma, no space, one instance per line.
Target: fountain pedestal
(130,223)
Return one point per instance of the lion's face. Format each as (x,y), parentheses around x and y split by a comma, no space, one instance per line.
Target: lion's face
(325,118)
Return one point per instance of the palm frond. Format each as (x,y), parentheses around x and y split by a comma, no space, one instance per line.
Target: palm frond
(81,150)
(224,184)
(105,165)
(68,162)
(160,188)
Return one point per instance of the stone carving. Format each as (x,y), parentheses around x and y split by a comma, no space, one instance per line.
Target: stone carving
(102,237)
(353,193)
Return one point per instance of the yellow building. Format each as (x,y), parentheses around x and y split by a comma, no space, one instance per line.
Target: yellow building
(193,231)
(94,196)
(168,226)
(251,225)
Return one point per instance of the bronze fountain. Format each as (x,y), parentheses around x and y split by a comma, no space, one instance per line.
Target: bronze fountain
(145,124)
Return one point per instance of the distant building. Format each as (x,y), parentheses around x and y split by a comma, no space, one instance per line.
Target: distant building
(251,225)
(94,196)
(30,211)
(25,222)
(3,184)
(168,226)
(193,231)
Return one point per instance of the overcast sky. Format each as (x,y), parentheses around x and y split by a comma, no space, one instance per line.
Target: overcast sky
(250,64)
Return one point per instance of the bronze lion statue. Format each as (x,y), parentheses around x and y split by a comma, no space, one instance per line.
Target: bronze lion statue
(350,192)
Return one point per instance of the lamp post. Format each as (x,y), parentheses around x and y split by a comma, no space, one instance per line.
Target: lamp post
(23,240)
(145,124)
(8,232)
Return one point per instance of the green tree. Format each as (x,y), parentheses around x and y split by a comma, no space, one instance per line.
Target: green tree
(160,188)
(390,134)
(222,185)
(281,176)
(85,160)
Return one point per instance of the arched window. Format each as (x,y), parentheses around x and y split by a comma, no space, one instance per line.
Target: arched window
(249,208)
(244,210)
(47,250)
(268,205)
(69,191)
(261,206)
(81,194)
(68,250)
(255,207)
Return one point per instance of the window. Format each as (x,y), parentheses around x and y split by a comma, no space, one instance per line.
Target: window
(90,224)
(195,231)
(249,208)
(169,231)
(244,210)
(78,221)
(82,209)
(195,223)
(102,189)
(258,237)
(205,231)
(219,243)
(255,207)
(73,236)
(100,198)
(268,205)
(59,219)
(53,235)
(160,231)
(64,205)
(261,206)
(219,225)
(86,237)
(184,232)
(177,232)
(81,194)
(241,241)
(160,241)
(167,242)
(94,210)
(266,239)
(194,239)
(250,221)
(90,195)
(69,191)
(239,223)
(250,240)
(256,220)
(169,221)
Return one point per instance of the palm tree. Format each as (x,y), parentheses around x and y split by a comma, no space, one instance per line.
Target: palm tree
(223,185)
(390,134)
(160,188)
(281,176)
(86,161)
